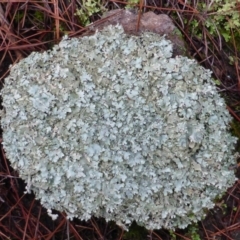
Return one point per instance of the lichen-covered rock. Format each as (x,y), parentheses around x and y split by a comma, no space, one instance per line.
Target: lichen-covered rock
(158,23)
(111,125)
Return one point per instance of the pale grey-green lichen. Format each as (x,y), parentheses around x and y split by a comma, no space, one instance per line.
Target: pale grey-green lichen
(112,125)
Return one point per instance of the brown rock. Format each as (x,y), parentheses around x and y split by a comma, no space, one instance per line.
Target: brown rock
(149,21)
(161,24)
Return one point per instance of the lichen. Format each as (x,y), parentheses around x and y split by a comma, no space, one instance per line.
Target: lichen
(112,125)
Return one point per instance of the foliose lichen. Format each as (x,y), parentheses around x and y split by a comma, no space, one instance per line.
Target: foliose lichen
(112,125)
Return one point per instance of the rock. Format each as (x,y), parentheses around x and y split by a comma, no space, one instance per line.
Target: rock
(149,21)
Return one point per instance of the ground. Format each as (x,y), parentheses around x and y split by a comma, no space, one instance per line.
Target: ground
(211,37)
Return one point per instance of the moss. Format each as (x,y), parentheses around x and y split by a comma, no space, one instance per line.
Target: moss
(193,232)
(235,128)
(38,15)
(88,9)
(218,19)
(19,16)
(177,37)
